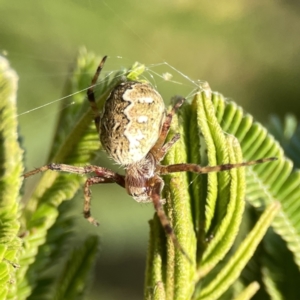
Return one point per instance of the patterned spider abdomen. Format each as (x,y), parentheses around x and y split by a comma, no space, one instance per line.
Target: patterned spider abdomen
(131,121)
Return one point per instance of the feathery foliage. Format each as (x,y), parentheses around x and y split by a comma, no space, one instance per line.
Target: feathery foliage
(11,168)
(222,220)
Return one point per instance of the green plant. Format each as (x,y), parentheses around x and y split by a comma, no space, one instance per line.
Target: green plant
(235,250)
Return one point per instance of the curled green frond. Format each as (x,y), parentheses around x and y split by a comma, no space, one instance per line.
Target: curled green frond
(215,201)
(266,183)
(224,205)
(11,168)
(155,271)
(231,271)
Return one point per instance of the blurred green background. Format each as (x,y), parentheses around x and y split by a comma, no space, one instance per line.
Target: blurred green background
(247,50)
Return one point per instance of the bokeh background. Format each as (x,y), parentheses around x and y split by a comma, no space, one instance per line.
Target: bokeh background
(247,50)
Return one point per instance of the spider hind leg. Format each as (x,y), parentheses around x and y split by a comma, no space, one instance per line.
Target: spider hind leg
(158,205)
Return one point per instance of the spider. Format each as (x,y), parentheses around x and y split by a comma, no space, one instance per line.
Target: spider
(132,128)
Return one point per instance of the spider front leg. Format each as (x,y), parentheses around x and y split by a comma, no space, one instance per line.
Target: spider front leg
(103,176)
(91,95)
(156,189)
(186,167)
(87,196)
(165,148)
(101,172)
(159,149)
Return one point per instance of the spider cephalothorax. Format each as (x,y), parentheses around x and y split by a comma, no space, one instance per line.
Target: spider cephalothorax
(133,128)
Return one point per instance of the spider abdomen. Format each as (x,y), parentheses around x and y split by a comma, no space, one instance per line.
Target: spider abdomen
(131,121)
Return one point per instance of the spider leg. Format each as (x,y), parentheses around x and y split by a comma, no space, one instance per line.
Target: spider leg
(199,169)
(91,95)
(87,196)
(165,148)
(157,148)
(101,172)
(103,175)
(156,199)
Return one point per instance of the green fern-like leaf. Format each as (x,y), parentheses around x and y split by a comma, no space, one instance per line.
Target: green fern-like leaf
(221,199)
(55,249)
(266,183)
(75,277)
(11,168)
(225,213)
(231,271)
(73,144)
(248,292)
(206,211)
(287,133)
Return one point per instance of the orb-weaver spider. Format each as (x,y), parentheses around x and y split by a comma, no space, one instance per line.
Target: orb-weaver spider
(133,128)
